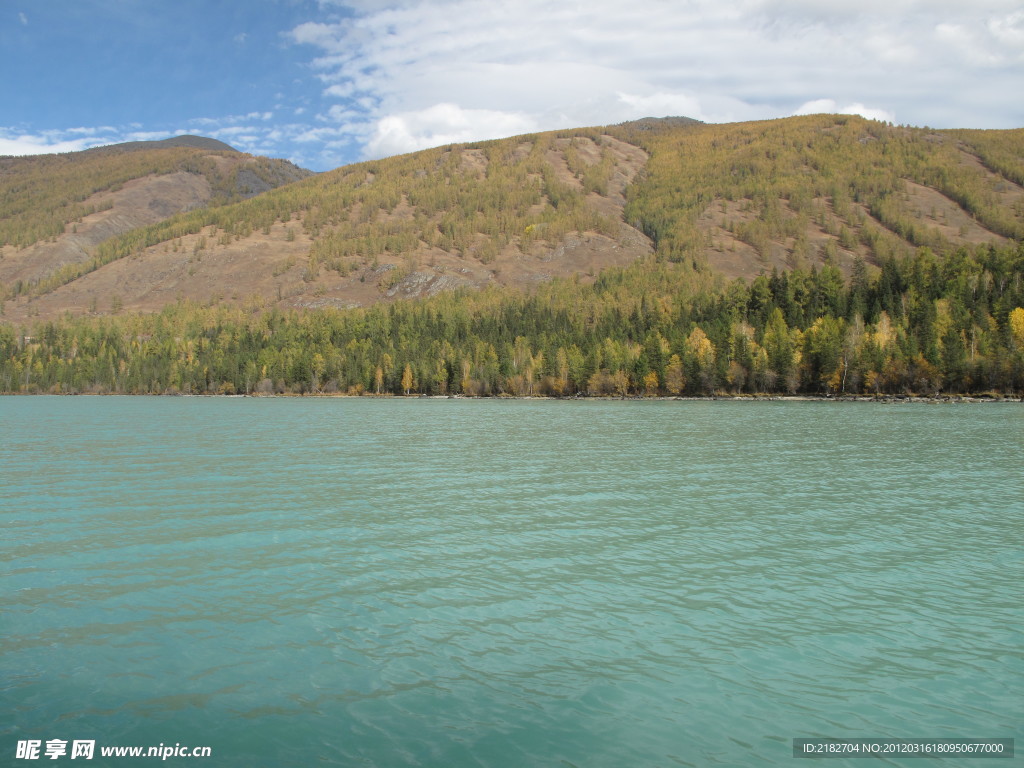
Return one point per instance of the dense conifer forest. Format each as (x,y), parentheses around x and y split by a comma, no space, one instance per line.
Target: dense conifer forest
(923,325)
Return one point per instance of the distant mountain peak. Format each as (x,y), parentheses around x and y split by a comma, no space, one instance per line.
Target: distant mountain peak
(195,142)
(661,123)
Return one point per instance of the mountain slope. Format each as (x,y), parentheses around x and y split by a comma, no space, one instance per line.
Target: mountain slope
(511,212)
(55,210)
(734,200)
(748,197)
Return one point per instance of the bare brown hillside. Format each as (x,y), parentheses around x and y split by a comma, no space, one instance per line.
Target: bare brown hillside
(138,203)
(273,266)
(733,201)
(58,211)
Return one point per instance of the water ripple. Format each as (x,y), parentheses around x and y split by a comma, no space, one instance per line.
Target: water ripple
(468,583)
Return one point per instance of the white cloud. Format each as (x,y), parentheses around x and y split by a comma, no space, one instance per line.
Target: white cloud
(340,91)
(35,145)
(892,49)
(441,124)
(394,76)
(227,120)
(961,40)
(144,136)
(19,142)
(1009,32)
(242,136)
(23,19)
(830,106)
(326,36)
(423,71)
(997,42)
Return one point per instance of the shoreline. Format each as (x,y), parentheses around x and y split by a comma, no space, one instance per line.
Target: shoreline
(883,399)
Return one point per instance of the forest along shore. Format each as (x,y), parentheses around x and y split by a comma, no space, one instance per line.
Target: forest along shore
(922,326)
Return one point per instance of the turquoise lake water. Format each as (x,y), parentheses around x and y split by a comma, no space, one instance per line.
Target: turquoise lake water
(359,582)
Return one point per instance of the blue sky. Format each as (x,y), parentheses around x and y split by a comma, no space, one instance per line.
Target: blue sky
(328,82)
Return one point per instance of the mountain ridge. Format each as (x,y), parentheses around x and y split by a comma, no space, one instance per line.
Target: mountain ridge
(191,141)
(56,210)
(734,200)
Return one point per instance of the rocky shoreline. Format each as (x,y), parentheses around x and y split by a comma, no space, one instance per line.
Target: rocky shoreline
(888,399)
(885,399)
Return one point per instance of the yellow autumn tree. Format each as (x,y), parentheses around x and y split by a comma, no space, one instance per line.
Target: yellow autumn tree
(675,379)
(1017,327)
(703,353)
(651,384)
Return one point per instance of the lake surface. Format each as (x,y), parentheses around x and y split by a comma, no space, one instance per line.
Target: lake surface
(359,582)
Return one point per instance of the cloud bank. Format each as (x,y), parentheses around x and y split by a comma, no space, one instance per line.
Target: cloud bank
(421,73)
(383,77)
(253,132)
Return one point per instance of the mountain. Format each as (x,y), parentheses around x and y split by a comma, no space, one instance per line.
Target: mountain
(824,255)
(733,200)
(57,210)
(195,142)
